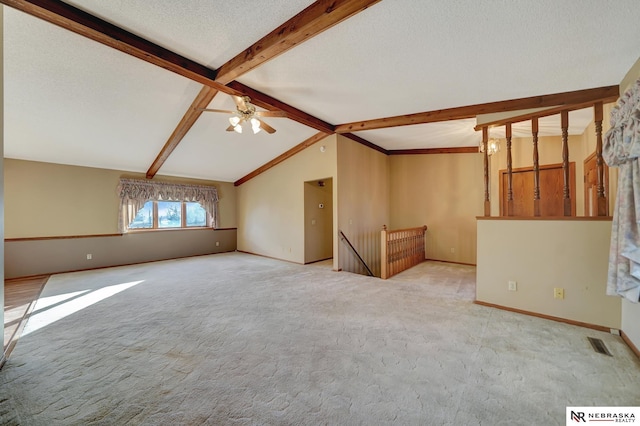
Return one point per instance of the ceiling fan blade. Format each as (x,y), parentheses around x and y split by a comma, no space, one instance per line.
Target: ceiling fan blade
(270,114)
(225,111)
(264,126)
(230,129)
(240,102)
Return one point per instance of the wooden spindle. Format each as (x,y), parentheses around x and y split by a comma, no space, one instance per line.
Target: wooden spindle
(485,141)
(566,191)
(536,168)
(384,255)
(602,200)
(509,171)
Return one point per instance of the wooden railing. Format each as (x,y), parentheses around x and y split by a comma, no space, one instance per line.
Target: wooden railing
(602,206)
(401,250)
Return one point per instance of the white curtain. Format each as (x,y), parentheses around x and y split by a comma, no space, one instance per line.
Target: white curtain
(621,148)
(135,193)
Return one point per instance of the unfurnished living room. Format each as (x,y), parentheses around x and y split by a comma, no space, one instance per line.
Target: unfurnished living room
(348,212)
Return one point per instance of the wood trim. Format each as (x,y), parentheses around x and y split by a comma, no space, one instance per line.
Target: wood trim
(566,183)
(509,174)
(460,150)
(316,18)
(128,264)
(561,218)
(544,316)
(271,257)
(602,200)
(471,111)
(70,237)
(365,142)
(547,113)
(205,96)
(61,237)
(629,343)
(485,157)
(90,26)
(536,168)
(279,159)
(450,261)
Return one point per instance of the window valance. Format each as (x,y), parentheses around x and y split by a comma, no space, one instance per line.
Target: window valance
(621,148)
(134,193)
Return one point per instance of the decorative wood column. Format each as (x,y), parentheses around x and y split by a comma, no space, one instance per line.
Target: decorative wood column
(602,200)
(485,140)
(566,191)
(509,171)
(536,168)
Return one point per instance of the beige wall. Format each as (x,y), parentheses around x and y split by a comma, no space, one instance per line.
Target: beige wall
(318,221)
(444,192)
(52,200)
(363,203)
(541,255)
(44,199)
(271,205)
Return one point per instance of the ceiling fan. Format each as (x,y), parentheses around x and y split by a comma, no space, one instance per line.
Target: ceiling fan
(246,113)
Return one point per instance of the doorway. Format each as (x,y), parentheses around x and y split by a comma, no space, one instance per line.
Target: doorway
(318,220)
(591,186)
(551,190)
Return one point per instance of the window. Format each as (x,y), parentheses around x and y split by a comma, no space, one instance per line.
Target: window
(148,204)
(169,215)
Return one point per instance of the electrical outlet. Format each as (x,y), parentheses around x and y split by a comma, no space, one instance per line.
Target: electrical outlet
(513,286)
(89,256)
(453,250)
(558,293)
(217,243)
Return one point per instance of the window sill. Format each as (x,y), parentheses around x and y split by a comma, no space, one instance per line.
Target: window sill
(191,228)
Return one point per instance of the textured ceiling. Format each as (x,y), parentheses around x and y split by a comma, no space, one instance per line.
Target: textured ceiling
(71,100)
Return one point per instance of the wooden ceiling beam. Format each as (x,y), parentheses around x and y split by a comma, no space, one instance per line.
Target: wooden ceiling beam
(365,142)
(545,113)
(459,150)
(90,26)
(203,99)
(470,111)
(316,18)
(319,16)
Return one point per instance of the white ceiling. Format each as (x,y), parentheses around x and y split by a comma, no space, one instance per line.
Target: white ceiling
(71,100)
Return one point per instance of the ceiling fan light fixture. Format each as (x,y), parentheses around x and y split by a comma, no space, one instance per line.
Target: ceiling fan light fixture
(237,128)
(255,125)
(234,121)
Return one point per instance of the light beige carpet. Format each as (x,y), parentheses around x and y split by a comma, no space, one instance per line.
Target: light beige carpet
(239,339)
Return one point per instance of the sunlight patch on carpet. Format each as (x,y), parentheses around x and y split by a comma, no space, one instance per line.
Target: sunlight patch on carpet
(44,317)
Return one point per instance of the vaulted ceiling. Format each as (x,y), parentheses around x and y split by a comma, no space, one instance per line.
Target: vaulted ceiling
(334,66)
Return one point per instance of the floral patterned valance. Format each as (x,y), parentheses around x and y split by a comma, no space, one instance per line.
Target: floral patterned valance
(134,193)
(621,148)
